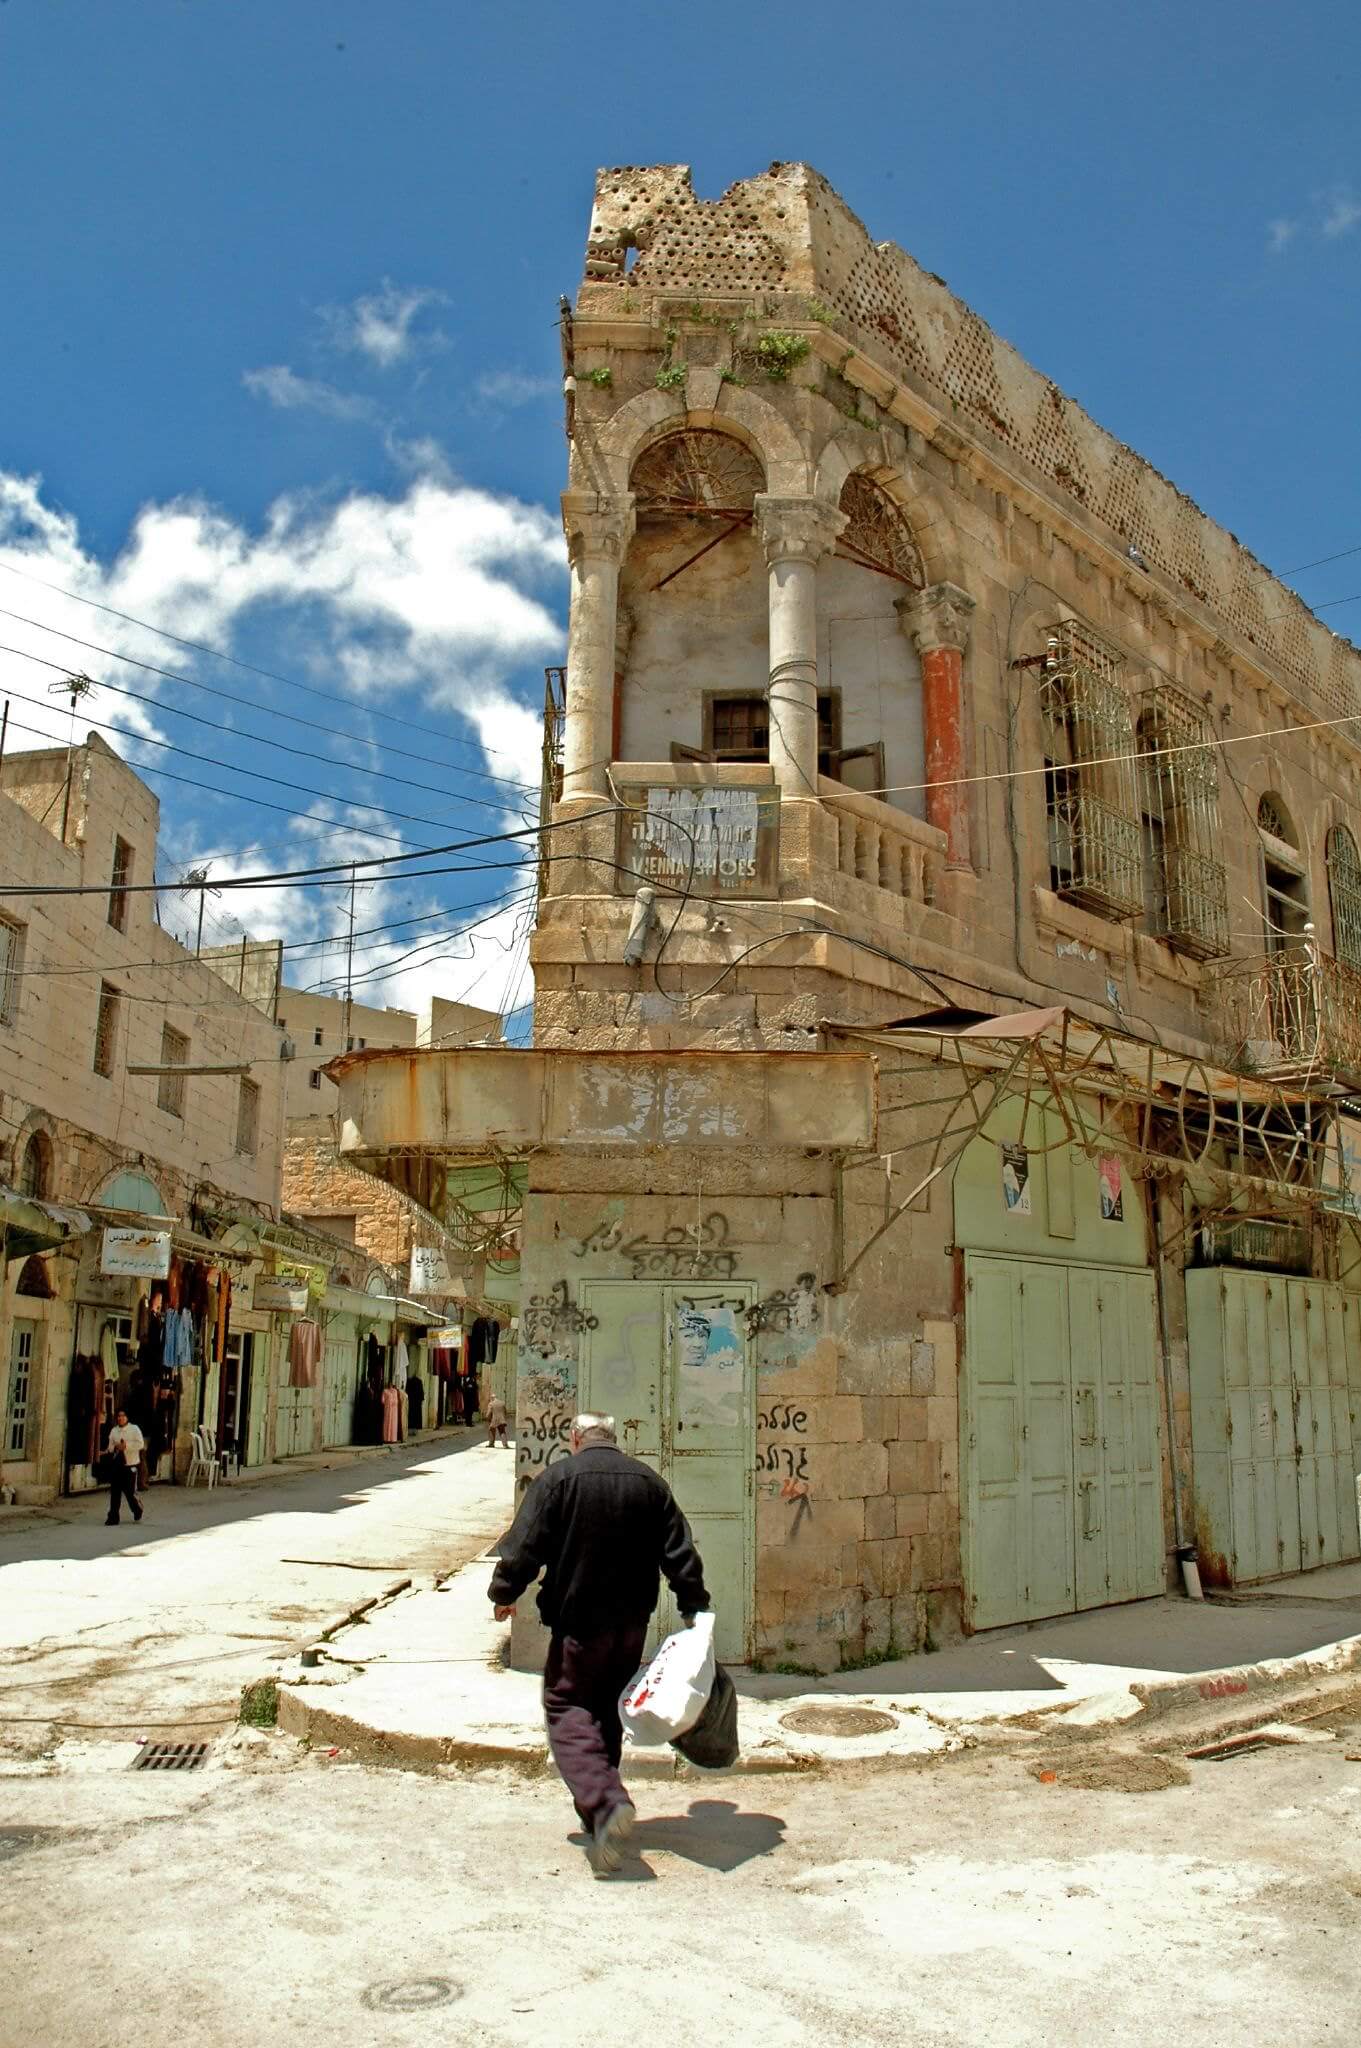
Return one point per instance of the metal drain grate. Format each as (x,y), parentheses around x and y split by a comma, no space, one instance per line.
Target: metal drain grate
(170,1756)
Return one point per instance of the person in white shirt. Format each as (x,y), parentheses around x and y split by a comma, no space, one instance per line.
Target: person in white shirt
(125,1447)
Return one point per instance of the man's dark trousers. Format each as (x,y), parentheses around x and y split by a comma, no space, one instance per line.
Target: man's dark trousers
(582,1681)
(123,1486)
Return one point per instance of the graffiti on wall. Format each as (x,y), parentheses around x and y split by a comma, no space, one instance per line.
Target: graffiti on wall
(687,1251)
(547,1321)
(788,1309)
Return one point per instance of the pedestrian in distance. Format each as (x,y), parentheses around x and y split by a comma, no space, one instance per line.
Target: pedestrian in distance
(604,1529)
(125,1447)
(498,1422)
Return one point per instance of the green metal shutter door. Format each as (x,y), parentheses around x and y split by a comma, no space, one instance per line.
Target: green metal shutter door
(692,1420)
(995,1533)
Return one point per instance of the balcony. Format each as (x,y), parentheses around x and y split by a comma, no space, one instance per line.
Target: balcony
(1293,1017)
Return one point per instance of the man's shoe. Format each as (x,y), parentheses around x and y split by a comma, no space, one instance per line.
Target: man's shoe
(610,1833)
(109,1522)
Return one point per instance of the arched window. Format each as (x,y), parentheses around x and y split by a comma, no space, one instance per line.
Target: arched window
(876,535)
(697,474)
(35,1169)
(1285,888)
(1091,793)
(1344,894)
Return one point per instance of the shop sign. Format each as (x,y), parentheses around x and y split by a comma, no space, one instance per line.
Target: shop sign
(700,839)
(275,1292)
(137,1254)
(430,1270)
(445,1340)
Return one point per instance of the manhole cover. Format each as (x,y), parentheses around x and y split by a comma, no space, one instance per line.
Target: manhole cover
(411,1994)
(170,1756)
(838,1721)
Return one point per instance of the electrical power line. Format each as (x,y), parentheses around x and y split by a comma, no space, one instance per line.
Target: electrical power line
(259,774)
(253,704)
(219,654)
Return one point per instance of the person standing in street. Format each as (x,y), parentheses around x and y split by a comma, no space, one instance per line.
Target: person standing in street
(498,1422)
(604,1529)
(125,1448)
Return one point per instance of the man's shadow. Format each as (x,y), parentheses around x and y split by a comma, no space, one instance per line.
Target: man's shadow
(714,1834)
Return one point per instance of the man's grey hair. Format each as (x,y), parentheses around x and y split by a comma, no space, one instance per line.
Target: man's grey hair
(594,1429)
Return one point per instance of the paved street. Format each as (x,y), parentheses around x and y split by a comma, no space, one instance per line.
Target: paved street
(962,1904)
(159,1624)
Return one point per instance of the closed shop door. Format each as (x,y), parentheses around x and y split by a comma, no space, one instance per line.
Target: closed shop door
(672,1365)
(1274,1373)
(339,1379)
(1060,1438)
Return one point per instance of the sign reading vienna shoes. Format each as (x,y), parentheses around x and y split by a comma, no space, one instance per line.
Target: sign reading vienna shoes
(138,1254)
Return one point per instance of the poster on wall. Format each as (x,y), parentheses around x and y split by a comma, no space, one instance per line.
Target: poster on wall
(1016,1179)
(708,1365)
(1111,1188)
(136,1254)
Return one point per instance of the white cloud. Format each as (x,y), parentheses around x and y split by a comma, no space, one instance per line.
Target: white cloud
(514,387)
(381,325)
(1342,211)
(1280,233)
(291,393)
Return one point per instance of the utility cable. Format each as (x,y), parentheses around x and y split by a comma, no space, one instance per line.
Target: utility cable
(219,654)
(251,704)
(281,746)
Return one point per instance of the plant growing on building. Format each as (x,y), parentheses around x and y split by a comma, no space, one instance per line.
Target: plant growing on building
(731,377)
(260,1704)
(602,377)
(779,353)
(818,309)
(671,376)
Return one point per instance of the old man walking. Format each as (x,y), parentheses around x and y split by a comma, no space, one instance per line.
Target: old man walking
(604,1529)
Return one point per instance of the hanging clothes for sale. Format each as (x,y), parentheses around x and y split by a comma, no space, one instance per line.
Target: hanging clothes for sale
(178,1340)
(304,1354)
(108,1352)
(483,1339)
(400,1363)
(85,1410)
(392,1407)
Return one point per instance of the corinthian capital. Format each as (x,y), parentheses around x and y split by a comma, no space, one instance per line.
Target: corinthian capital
(797,529)
(937,617)
(597,525)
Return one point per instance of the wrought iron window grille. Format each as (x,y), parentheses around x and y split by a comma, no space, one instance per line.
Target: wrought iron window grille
(1091,779)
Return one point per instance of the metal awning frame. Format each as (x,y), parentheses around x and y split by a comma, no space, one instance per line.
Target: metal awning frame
(1161,1110)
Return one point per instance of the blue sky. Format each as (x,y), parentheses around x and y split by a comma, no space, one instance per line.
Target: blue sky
(278,327)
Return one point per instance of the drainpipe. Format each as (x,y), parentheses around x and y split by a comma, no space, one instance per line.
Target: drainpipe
(1186,1552)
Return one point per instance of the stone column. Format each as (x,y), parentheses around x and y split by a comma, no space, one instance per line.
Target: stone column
(598,530)
(795,533)
(937,620)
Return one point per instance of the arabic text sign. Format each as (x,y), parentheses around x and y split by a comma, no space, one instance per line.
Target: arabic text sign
(273,1292)
(140,1254)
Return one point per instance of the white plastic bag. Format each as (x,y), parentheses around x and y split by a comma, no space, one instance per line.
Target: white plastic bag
(668,1695)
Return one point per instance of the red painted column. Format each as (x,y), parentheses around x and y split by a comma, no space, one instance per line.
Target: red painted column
(938,621)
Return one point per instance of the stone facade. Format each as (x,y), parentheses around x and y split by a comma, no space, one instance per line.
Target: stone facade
(831,763)
(68,1130)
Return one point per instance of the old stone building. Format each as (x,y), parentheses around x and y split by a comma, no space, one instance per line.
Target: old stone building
(92,990)
(948,974)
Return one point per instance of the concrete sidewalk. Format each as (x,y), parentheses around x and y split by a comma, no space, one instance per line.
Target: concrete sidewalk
(423,1681)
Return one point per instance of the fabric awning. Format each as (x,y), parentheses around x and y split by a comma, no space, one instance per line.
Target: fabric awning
(28,1226)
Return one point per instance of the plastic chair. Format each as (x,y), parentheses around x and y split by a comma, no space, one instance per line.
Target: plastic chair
(200,1464)
(210,1453)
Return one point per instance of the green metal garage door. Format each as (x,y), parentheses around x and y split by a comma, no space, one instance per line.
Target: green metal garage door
(1059,1420)
(1275,1387)
(672,1365)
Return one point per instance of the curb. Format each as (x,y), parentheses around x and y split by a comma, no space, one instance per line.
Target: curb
(301,1716)
(1239,1681)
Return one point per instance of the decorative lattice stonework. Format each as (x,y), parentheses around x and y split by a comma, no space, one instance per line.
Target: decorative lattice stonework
(1124,508)
(876,533)
(1272,817)
(1339,682)
(1054,451)
(696,474)
(970,378)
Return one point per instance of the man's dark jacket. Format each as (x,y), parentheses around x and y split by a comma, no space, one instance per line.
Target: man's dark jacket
(603,1528)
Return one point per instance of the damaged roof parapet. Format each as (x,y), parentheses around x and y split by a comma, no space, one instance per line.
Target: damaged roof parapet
(499,1102)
